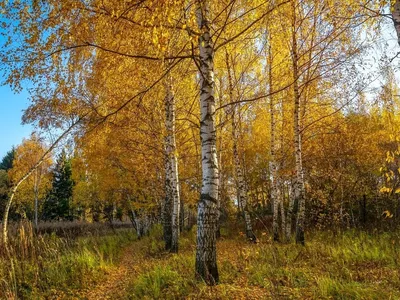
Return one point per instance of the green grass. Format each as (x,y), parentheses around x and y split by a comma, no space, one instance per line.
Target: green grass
(353,265)
(44,266)
(157,283)
(350,265)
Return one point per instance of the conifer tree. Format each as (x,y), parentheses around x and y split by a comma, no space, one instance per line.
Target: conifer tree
(58,202)
(7,161)
(5,164)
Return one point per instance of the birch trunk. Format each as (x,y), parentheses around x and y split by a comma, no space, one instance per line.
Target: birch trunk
(283,216)
(182,216)
(172,165)
(241,185)
(167,207)
(240,182)
(132,218)
(220,174)
(290,211)
(299,192)
(282,185)
(274,195)
(206,252)
(396,18)
(273,165)
(36,192)
(220,190)
(136,222)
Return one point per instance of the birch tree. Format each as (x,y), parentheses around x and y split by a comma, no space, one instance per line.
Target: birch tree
(35,188)
(172,177)
(206,254)
(240,181)
(276,198)
(299,190)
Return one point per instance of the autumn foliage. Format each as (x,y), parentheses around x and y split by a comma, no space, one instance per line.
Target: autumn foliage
(268,114)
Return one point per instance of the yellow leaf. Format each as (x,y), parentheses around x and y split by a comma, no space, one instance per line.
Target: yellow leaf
(387,214)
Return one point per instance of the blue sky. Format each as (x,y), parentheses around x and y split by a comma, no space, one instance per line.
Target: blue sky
(11,130)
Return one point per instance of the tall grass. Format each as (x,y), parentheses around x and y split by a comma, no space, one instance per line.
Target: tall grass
(39,266)
(352,265)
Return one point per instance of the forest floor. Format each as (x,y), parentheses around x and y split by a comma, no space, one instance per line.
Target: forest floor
(351,265)
(146,271)
(118,277)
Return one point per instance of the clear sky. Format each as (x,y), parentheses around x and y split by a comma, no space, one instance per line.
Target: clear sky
(11,130)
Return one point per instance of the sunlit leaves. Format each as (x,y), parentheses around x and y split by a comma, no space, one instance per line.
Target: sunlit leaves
(26,156)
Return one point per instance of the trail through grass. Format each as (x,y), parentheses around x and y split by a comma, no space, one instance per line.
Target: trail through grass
(350,265)
(354,265)
(116,279)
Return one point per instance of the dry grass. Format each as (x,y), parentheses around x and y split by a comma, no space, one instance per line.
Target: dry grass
(43,266)
(351,265)
(69,229)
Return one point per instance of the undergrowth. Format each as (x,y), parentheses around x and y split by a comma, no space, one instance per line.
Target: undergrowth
(352,265)
(41,266)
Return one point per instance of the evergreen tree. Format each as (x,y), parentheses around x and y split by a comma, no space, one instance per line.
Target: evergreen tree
(5,184)
(7,161)
(57,204)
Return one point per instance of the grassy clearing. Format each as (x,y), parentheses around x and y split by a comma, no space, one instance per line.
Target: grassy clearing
(351,265)
(48,266)
(354,265)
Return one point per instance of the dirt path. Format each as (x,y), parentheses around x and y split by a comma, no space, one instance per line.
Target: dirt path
(135,261)
(119,277)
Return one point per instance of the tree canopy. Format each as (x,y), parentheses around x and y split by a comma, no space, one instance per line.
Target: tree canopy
(267,108)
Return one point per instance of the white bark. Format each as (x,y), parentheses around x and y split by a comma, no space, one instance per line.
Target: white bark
(275,197)
(36,196)
(290,213)
(299,191)
(172,165)
(206,254)
(220,191)
(142,223)
(273,167)
(38,180)
(167,206)
(240,182)
(283,216)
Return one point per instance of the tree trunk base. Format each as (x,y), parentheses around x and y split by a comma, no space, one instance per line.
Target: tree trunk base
(300,237)
(208,274)
(251,237)
(173,248)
